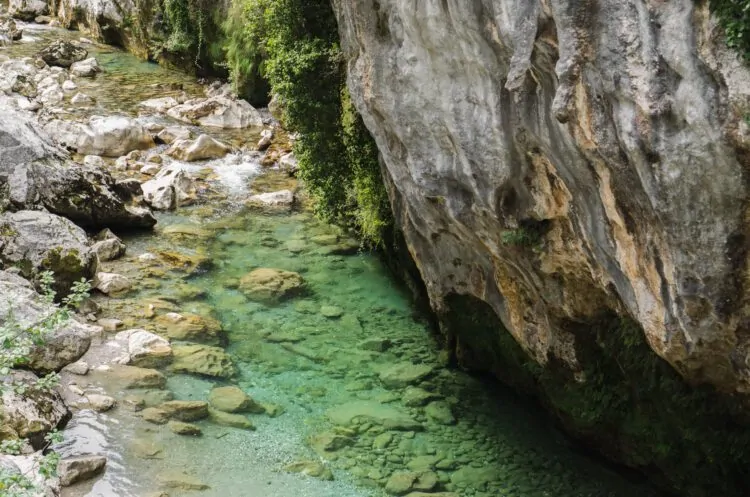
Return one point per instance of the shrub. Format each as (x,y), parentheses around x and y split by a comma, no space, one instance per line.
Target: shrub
(294,45)
(16,345)
(734,17)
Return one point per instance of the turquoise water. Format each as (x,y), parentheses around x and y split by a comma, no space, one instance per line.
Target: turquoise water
(291,355)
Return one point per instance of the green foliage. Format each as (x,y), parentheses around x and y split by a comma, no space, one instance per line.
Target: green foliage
(192,31)
(734,16)
(17,342)
(294,45)
(519,237)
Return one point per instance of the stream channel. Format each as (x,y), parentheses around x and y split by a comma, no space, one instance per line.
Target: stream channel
(348,373)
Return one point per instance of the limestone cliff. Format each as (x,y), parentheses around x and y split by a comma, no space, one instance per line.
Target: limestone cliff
(563,160)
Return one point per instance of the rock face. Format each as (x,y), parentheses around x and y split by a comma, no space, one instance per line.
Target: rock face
(554,163)
(607,179)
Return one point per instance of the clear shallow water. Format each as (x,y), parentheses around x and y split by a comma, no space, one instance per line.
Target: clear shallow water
(499,446)
(292,355)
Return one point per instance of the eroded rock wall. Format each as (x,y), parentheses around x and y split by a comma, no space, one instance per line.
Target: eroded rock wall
(563,159)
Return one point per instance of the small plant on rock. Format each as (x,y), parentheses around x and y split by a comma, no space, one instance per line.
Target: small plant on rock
(17,342)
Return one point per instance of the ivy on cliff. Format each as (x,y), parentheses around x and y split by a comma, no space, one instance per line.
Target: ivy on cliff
(734,17)
(294,45)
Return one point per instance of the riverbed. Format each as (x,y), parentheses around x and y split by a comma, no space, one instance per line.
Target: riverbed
(350,377)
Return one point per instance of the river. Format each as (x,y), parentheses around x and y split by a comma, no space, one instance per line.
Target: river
(347,368)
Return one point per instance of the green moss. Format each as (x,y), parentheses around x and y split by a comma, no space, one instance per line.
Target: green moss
(66,267)
(631,405)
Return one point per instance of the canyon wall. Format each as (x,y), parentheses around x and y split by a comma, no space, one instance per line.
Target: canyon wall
(561,163)
(557,159)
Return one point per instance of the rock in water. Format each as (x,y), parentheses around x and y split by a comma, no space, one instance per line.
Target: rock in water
(202,148)
(109,283)
(62,53)
(281,198)
(271,285)
(170,188)
(233,399)
(85,68)
(110,136)
(218,111)
(8,29)
(80,468)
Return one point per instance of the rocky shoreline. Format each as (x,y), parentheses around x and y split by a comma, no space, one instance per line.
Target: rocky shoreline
(67,177)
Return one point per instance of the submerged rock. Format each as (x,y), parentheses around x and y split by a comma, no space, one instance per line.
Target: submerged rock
(185,410)
(186,429)
(233,399)
(403,482)
(271,285)
(190,327)
(231,420)
(387,416)
(202,359)
(80,468)
(405,374)
(181,481)
(316,469)
(133,377)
